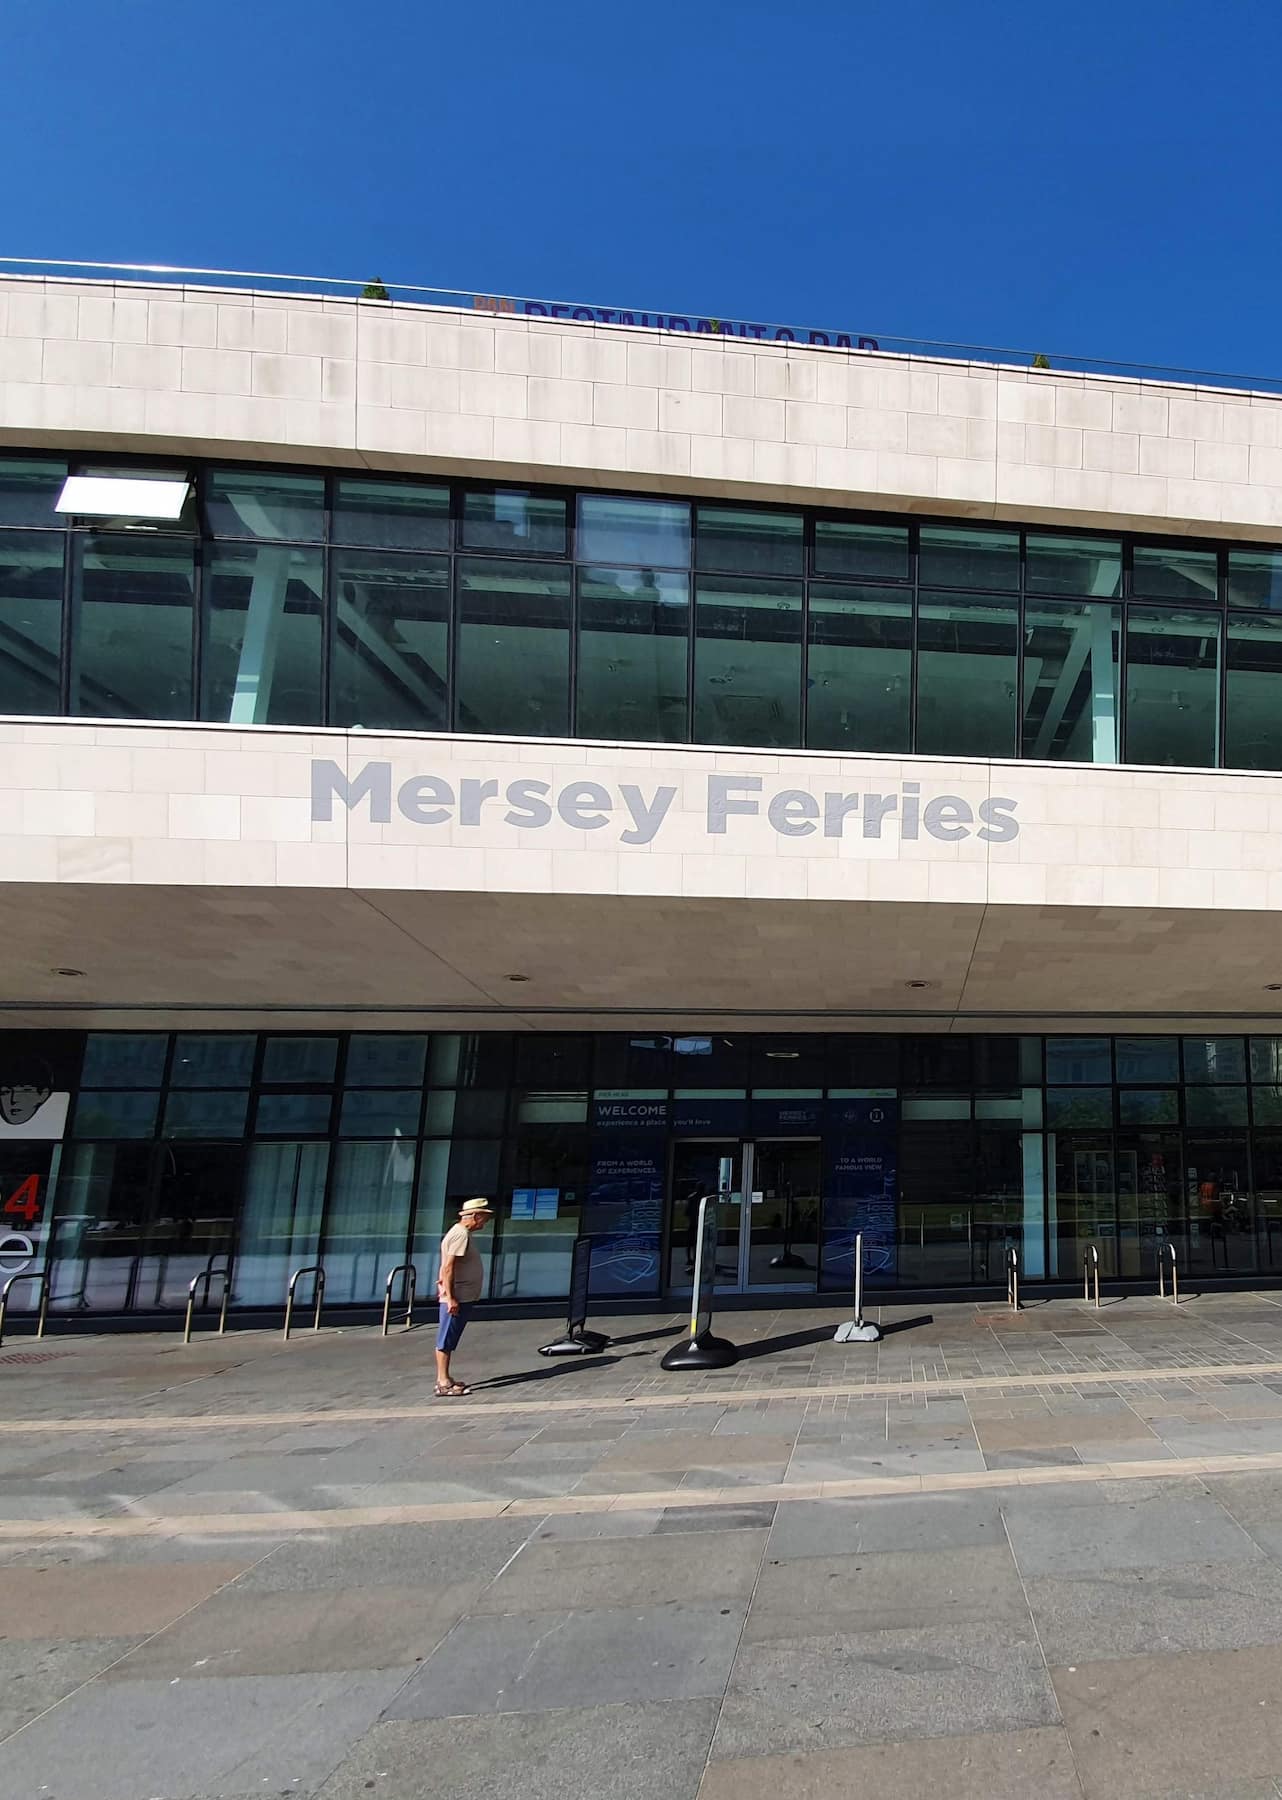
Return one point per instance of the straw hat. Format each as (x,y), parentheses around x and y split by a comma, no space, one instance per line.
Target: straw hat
(470,1209)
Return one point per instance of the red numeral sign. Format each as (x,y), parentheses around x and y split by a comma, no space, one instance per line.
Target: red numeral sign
(24,1201)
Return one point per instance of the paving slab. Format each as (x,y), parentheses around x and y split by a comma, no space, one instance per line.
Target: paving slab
(886,1591)
(1004,1765)
(1133,1612)
(96,1600)
(389,1555)
(926,1522)
(645,1571)
(1049,1539)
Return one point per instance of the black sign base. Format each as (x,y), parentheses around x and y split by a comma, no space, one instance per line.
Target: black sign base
(702,1352)
(576,1343)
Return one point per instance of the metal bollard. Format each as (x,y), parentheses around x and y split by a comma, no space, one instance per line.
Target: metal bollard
(1090,1268)
(31,1275)
(858,1330)
(208,1276)
(1012,1277)
(408,1292)
(311,1269)
(1167,1252)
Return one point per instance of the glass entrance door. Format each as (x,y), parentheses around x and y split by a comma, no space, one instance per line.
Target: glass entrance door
(769,1222)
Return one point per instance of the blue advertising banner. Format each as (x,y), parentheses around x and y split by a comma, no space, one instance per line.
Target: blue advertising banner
(623,1213)
(630,1112)
(860,1189)
(714,1114)
(800,1115)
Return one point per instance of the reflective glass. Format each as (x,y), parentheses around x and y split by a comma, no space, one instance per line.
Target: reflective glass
(1266,1059)
(612,529)
(262,650)
(511,519)
(1172,686)
(848,547)
(290,1059)
(1091,567)
(131,642)
(963,556)
(967,671)
(385,1059)
(280,1220)
(1253,700)
(859,672)
(124,1059)
(1255,579)
(30,622)
(1148,1058)
(380,1112)
(367,1220)
(1078,1059)
(1215,1105)
(292,1115)
(1149,1106)
(1266,1105)
(391,640)
(28,488)
(390,515)
(258,503)
(1214,1059)
(1078,1106)
(634,630)
(755,543)
(514,648)
(209,1114)
(215,1059)
(747,664)
(127,1115)
(1170,572)
(1071,654)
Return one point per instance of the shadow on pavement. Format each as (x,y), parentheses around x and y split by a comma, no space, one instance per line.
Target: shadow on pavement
(646,1337)
(907,1324)
(792,1340)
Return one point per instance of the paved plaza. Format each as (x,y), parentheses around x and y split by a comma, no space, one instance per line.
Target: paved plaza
(998,1554)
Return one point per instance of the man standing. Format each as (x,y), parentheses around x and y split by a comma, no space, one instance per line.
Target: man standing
(458,1287)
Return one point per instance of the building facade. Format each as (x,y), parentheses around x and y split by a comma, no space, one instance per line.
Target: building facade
(447,752)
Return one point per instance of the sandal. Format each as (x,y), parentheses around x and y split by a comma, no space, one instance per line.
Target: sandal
(450,1390)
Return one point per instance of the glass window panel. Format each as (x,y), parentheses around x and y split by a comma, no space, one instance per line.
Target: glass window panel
(391,1059)
(1266,1105)
(514,648)
(391,642)
(1000,1061)
(1253,702)
(134,599)
(553,1060)
(390,515)
(941,1061)
(1073,565)
(1148,1059)
(936,1106)
(30,621)
(292,1115)
(1078,1106)
(1215,1105)
(1078,1059)
(258,503)
(380,1112)
(859,674)
(280,1220)
(131,1115)
(299,1059)
(1172,687)
(212,1059)
(262,650)
(367,1220)
(612,529)
(1214,1059)
(1266,1059)
(212,1114)
(28,488)
(1071,655)
(450,1173)
(962,556)
(470,1059)
(511,519)
(1255,579)
(124,1059)
(1149,1106)
(1170,572)
(748,663)
(634,632)
(628,1062)
(849,547)
(101,1205)
(967,675)
(754,543)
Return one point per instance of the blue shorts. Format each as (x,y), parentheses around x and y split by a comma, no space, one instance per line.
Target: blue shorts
(451,1326)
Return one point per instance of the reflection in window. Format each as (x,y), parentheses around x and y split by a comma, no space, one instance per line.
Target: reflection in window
(1170,572)
(262,654)
(961,556)
(280,1221)
(1078,1059)
(1214,1059)
(255,503)
(1255,579)
(30,622)
(1253,702)
(131,644)
(1070,681)
(1266,1059)
(849,547)
(612,529)
(124,1059)
(634,628)
(391,515)
(368,1218)
(748,663)
(1148,1106)
(385,1059)
(1215,1105)
(1091,567)
(966,677)
(212,1059)
(511,519)
(859,672)
(391,619)
(758,543)
(292,1115)
(212,1114)
(289,1059)
(127,1115)
(28,488)
(514,648)
(1148,1058)
(1172,687)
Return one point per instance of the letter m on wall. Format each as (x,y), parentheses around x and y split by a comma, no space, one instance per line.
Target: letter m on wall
(373,783)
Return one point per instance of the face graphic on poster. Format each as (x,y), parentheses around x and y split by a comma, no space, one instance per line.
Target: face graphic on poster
(29,1107)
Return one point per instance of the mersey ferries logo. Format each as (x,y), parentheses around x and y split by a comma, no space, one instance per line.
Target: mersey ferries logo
(635,815)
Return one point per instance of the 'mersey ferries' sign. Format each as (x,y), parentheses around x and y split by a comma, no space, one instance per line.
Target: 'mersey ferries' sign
(634,813)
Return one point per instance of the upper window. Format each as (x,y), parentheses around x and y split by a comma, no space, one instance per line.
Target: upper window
(849,547)
(1169,572)
(511,519)
(28,488)
(1255,578)
(633,531)
(1091,567)
(760,543)
(955,556)
(256,503)
(391,515)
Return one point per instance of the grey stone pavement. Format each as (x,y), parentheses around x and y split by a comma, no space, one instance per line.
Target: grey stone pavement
(999,1554)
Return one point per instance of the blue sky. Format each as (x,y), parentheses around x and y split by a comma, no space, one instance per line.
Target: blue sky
(1096,179)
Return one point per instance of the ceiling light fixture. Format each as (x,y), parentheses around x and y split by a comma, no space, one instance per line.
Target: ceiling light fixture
(71,974)
(917,984)
(518,978)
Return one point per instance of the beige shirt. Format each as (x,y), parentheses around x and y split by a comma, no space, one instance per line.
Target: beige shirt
(469,1271)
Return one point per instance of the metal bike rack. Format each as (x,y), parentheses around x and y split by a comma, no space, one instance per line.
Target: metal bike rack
(407,1294)
(208,1275)
(316,1269)
(1012,1277)
(30,1275)
(1167,1254)
(1090,1273)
